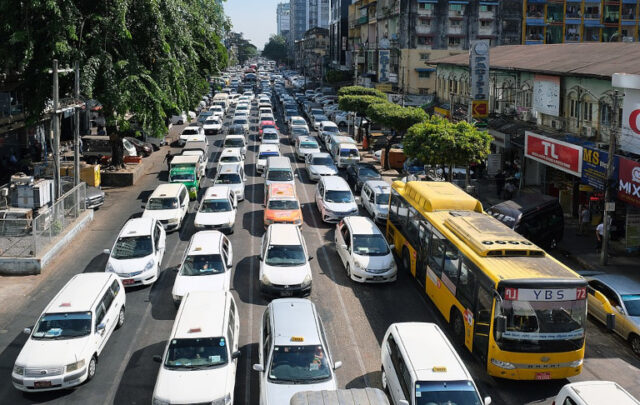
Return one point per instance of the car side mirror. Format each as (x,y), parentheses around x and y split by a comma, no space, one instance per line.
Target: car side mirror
(258,367)
(100,327)
(487,400)
(235,354)
(392,246)
(107,251)
(337,365)
(310,258)
(26,331)
(358,199)
(501,323)
(157,358)
(143,206)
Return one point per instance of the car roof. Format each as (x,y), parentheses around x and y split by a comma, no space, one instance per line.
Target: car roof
(334,183)
(307,139)
(279,162)
(137,227)
(378,185)
(234,137)
(268,147)
(185,159)
(294,117)
(205,243)
(294,317)
(230,151)
(282,191)
(193,322)
(320,154)
(362,225)
(601,392)
(285,234)
(623,285)
(427,359)
(267,122)
(167,190)
(217,191)
(270,131)
(80,292)
(229,168)
(328,124)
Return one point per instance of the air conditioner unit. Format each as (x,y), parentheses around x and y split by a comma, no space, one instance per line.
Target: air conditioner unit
(525,115)
(556,124)
(588,132)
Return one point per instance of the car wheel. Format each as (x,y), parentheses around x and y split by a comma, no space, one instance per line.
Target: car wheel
(634,340)
(91,370)
(120,318)
(385,384)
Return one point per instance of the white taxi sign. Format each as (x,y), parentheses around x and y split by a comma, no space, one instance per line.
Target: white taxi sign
(545,294)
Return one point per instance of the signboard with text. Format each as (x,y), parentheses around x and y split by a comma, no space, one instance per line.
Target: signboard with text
(384,60)
(594,167)
(546,94)
(630,125)
(552,152)
(629,181)
(479,66)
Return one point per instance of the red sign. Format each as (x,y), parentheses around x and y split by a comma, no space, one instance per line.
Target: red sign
(552,152)
(511,294)
(629,182)
(480,108)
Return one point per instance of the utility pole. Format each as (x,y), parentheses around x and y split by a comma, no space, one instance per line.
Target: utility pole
(607,192)
(56,133)
(76,132)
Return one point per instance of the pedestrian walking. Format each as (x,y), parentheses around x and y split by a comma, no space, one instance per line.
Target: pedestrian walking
(500,182)
(599,235)
(168,158)
(509,190)
(585,219)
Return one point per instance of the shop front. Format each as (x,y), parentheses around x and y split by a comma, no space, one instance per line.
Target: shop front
(627,214)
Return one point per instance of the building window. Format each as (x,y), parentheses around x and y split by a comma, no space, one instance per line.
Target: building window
(424,75)
(587,111)
(424,56)
(454,41)
(455,7)
(486,23)
(425,21)
(423,91)
(424,40)
(573,108)
(605,114)
(454,23)
(425,6)
(486,9)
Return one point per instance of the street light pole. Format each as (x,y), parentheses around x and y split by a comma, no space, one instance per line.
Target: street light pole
(76,132)
(607,193)
(56,133)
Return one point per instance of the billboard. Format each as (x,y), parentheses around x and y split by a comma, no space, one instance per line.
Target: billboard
(546,94)
(630,126)
(384,59)
(594,167)
(479,67)
(552,152)
(629,181)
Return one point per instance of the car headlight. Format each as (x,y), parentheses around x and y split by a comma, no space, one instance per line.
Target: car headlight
(265,280)
(297,221)
(74,366)
(110,268)
(223,401)
(149,265)
(359,265)
(307,279)
(158,401)
(313,171)
(576,363)
(18,369)
(173,220)
(503,364)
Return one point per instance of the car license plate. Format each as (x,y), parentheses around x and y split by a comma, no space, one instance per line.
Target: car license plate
(128,281)
(42,384)
(286,293)
(543,376)
(378,278)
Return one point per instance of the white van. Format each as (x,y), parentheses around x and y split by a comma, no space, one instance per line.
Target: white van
(200,360)
(417,373)
(344,151)
(266,151)
(594,393)
(63,348)
(221,99)
(278,170)
(169,204)
(337,139)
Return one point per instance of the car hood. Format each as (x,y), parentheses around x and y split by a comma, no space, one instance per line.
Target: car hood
(270,141)
(324,170)
(161,214)
(205,126)
(286,275)
(94,192)
(382,209)
(374,262)
(282,215)
(214,282)
(341,207)
(52,353)
(217,218)
(278,394)
(194,386)
(125,266)
(308,151)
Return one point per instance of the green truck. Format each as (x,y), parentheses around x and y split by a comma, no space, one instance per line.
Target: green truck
(186,170)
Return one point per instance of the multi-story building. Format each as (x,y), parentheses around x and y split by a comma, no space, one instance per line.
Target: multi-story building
(305,15)
(562,21)
(318,13)
(283,11)
(338,34)
(312,53)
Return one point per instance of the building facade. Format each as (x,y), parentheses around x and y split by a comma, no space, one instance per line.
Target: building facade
(283,12)
(305,15)
(338,34)
(312,53)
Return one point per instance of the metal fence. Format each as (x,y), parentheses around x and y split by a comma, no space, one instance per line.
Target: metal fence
(21,237)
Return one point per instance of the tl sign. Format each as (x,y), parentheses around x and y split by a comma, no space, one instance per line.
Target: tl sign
(552,152)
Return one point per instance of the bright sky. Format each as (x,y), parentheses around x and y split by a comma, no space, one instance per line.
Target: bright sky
(256,19)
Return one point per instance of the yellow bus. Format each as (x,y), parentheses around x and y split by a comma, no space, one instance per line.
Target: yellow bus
(516,308)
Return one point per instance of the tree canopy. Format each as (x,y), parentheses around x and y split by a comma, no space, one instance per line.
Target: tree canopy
(396,117)
(276,49)
(358,104)
(144,57)
(361,91)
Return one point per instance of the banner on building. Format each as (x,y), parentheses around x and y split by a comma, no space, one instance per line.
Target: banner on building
(479,66)
(546,94)
(630,125)
(384,60)
(629,181)
(594,167)
(552,152)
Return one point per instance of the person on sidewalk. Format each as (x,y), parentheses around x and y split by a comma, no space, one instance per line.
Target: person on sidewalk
(585,219)
(500,183)
(168,158)
(509,190)
(599,235)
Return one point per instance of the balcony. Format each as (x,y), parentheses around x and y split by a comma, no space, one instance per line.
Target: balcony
(424,29)
(454,30)
(456,14)
(485,31)
(363,20)
(486,15)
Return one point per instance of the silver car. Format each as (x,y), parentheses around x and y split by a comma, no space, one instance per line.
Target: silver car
(319,164)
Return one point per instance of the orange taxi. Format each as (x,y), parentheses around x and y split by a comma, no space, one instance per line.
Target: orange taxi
(282,206)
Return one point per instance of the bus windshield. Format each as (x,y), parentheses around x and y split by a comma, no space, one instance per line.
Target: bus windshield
(541,326)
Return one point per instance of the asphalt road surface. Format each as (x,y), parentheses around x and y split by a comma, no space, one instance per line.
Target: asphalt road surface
(355,316)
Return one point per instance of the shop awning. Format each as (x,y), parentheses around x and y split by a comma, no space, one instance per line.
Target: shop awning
(425,70)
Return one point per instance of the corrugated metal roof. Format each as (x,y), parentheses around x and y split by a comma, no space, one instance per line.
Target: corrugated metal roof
(585,59)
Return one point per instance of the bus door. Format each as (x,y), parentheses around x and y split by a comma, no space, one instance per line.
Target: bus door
(423,252)
(482,324)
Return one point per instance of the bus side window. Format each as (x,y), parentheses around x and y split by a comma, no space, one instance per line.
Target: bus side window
(425,236)
(452,262)
(412,230)
(437,252)
(467,283)
(394,203)
(403,211)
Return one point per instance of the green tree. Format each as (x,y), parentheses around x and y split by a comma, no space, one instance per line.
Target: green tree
(361,91)
(359,105)
(276,49)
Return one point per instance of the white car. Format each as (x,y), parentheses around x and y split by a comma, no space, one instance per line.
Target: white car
(243,121)
(293,353)
(320,164)
(188,132)
(218,111)
(137,253)
(364,252)
(217,210)
(297,121)
(242,107)
(200,360)
(230,155)
(179,119)
(236,142)
(334,199)
(233,176)
(284,262)
(326,129)
(206,265)
(266,151)
(594,393)
(304,146)
(63,349)
(169,204)
(270,136)
(212,125)
(375,199)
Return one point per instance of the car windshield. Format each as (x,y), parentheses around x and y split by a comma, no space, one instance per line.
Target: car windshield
(300,131)
(190,131)
(285,255)
(382,199)
(270,136)
(63,325)
(632,304)
(268,126)
(182,177)
(239,122)
(348,153)
(210,121)
(338,196)
(228,178)
(202,265)
(280,175)
(322,161)
(209,206)
(370,245)
(230,159)
(331,129)
(299,364)
(308,145)
(132,247)
(319,118)
(298,122)
(196,353)
(368,172)
(446,393)
(265,155)
(233,143)
(541,326)
(162,203)
(283,205)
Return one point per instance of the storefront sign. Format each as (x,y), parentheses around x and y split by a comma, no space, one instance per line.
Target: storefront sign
(633,228)
(546,94)
(629,182)
(594,167)
(552,152)
(494,163)
(479,65)
(630,126)
(384,59)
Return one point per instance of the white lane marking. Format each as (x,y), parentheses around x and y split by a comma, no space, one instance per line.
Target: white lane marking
(352,334)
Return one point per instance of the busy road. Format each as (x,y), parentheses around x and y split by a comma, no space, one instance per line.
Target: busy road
(355,315)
